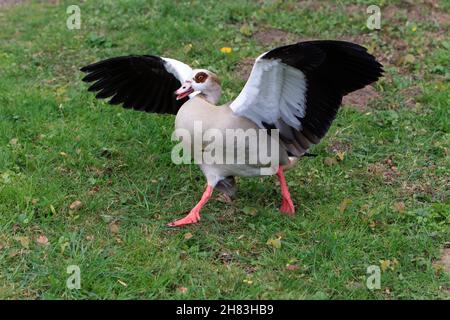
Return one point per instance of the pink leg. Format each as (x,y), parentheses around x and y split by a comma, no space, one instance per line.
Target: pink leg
(194,215)
(287,206)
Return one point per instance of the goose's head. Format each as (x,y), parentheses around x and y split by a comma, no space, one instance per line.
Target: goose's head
(203,81)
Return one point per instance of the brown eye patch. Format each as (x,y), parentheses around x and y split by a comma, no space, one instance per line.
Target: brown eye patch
(200,77)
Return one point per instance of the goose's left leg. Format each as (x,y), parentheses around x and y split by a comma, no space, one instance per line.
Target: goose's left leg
(194,215)
(287,206)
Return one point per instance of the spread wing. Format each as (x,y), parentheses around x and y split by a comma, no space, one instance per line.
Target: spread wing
(298,88)
(145,83)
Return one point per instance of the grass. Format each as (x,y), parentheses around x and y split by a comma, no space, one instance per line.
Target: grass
(386,203)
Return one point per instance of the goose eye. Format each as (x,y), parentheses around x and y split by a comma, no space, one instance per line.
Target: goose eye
(200,77)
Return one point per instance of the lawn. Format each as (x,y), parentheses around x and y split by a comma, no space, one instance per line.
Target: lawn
(86,184)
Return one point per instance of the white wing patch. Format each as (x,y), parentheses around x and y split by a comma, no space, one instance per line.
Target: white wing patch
(273,91)
(180,70)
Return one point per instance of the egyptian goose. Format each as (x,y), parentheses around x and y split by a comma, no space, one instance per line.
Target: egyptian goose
(295,89)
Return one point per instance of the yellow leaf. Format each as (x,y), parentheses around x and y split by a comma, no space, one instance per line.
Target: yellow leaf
(340,155)
(24,241)
(385,264)
(188,48)
(344,204)
(275,243)
(52,209)
(188,235)
(122,283)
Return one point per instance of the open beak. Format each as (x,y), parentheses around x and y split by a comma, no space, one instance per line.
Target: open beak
(185,90)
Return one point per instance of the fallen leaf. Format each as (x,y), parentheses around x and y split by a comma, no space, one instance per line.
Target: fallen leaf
(24,241)
(122,283)
(90,237)
(399,207)
(344,204)
(187,48)
(385,264)
(42,240)
(292,267)
(340,155)
(94,190)
(52,209)
(188,235)
(114,227)
(223,197)
(12,254)
(275,243)
(182,290)
(444,261)
(13,141)
(248,281)
(63,154)
(76,205)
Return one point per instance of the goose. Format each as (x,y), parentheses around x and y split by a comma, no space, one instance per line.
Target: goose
(292,96)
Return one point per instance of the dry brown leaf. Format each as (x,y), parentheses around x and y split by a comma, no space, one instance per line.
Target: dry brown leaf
(188,235)
(12,254)
(182,290)
(114,227)
(399,207)
(292,267)
(76,205)
(94,190)
(24,241)
(14,141)
(42,240)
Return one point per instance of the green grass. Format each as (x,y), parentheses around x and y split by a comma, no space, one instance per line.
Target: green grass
(58,145)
